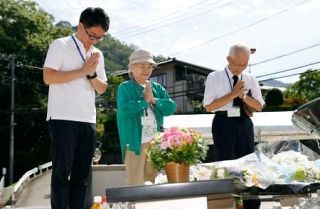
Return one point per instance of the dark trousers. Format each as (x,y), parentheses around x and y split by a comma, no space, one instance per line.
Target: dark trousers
(72,150)
(234,138)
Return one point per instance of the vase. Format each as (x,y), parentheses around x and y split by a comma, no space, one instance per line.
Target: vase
(177,172)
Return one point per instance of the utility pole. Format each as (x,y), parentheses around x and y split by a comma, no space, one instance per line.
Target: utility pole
(11,59)
(12,124)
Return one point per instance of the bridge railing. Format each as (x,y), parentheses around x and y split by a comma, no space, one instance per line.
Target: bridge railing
(28,176)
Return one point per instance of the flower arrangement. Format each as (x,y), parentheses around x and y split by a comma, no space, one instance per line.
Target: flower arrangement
(176,144)
(299,167)
(310,174)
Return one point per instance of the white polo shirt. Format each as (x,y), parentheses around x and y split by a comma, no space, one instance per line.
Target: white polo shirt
(219,84)
(74,100)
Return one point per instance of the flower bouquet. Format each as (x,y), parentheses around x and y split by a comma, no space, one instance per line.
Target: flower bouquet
(286,168)
(298,166)
(176,145)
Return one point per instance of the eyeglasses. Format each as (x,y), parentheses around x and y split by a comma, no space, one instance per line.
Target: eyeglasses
(92,37)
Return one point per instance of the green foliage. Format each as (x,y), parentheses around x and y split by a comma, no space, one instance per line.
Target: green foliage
(307,88)
(274,97)
(279,108)
(198,107)
(108,134)
(293,102)
(116,53)
(310,174)
(299,175)
(110,95)
(6,195)
(159,58)
(25,31)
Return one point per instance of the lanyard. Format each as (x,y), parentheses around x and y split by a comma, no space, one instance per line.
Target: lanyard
(78,49)
(231,86)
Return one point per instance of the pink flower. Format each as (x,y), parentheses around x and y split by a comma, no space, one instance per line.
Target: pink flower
(174,144)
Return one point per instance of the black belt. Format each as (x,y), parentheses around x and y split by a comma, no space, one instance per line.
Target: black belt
(224,113)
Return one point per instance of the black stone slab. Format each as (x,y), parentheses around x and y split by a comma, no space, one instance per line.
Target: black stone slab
(169,191)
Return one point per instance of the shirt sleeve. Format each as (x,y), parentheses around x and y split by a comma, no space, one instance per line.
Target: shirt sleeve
(101,68)
(209,92)
(256,91)
(54,58)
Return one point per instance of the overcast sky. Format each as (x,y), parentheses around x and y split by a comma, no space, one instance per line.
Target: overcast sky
(286,33)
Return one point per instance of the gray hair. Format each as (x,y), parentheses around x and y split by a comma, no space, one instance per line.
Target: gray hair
(238,47)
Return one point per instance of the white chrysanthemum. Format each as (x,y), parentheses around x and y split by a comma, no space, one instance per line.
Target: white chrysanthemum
(161,179)
(292,158)
(200,173)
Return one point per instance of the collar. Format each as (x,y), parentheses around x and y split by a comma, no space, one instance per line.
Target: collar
(230,74)
(80,44)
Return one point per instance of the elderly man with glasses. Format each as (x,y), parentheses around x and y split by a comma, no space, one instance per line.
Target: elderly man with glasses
(233,95)
(74,71)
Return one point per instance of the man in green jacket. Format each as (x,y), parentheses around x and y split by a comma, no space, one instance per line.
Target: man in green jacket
(141,106)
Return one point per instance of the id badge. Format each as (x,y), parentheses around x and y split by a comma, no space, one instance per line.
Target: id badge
(147,121)
(234,112)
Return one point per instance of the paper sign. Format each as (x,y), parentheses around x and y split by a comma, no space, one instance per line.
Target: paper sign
(185,203)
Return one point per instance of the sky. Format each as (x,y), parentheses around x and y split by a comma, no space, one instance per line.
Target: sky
(285,33)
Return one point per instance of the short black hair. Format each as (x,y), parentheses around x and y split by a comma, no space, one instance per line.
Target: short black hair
(95,16)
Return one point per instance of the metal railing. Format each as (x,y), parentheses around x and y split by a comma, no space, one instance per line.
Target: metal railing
(28,176)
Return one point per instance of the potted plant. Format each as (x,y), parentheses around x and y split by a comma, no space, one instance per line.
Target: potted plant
(175,150)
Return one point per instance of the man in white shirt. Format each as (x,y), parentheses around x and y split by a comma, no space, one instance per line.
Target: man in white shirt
(74,70)
(231,94)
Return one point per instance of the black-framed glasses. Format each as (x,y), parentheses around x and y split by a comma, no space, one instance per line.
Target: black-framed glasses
(92,37)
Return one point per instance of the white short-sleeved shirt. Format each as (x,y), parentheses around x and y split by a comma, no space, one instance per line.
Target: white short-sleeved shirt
(74,100)
(219,84)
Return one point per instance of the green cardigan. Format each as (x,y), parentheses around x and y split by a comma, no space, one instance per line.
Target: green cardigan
(130,109)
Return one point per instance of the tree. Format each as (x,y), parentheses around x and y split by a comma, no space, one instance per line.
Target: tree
(25,31)
(116,53)
(108,132)
(64,24)
(274,97)
(307,88)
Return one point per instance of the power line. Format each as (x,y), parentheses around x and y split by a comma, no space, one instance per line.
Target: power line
(284,55)
(31,66)
(174,22)
(274,78)
(240,29)
(163,19)
(290,69)
(285,76)
(159,19)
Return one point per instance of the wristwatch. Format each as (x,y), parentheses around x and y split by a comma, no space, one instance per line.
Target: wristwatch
(90,77)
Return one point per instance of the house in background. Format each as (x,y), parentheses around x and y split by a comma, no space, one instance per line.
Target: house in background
(265,88)
(185,82)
